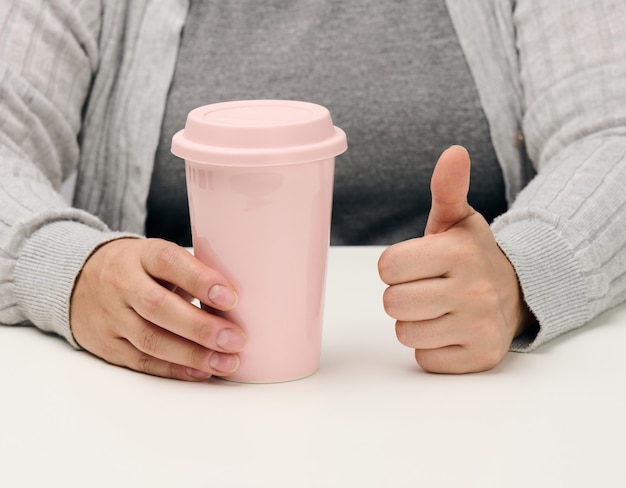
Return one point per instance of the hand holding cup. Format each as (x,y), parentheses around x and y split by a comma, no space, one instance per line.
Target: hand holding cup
(131,307)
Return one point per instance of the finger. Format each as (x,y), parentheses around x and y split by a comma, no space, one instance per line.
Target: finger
(175,289)
(436,255)
(159,343)
(171,312)
(457,360)
(414,259)
(420,300)
(171,263)
(430,334)
(449,187)
(144,363)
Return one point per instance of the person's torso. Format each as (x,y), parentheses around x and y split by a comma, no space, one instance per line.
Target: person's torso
(393,76)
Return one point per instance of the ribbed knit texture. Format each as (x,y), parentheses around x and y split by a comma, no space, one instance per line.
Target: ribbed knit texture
(48,55)
(554,71)
(46,270)
(566,231)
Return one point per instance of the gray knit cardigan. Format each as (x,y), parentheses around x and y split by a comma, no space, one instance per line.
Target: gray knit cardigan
(83,87)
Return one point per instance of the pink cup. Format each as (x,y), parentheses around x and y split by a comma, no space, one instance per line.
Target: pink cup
(260,183)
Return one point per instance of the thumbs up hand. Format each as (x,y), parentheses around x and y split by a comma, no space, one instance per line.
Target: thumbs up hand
(453,292)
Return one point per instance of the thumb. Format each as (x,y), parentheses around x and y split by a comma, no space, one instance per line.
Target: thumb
(449,187)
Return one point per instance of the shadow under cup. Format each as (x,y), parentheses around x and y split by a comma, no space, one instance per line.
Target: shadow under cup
(260,185)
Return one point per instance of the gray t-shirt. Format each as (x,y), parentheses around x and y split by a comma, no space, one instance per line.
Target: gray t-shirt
(393,76)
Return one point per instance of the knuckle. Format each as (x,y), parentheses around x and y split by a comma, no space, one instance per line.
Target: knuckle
(198,358)
(202,333)
(144,363)
(164,256)
(154,300)
(173,370)
(178,372)
(149,341)
(195,279)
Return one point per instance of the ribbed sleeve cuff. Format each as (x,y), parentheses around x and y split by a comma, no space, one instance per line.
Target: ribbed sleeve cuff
(47,268)
(550,276)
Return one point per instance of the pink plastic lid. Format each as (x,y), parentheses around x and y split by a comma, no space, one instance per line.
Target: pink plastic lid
(259,133)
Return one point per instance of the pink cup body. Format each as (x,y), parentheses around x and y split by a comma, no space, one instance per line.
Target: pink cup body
(267,230)
(260,185)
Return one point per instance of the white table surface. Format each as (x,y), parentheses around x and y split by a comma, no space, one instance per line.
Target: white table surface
(368,417)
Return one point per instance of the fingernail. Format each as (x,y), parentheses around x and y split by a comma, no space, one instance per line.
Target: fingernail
(224,363)
(230,340)
(223,297)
